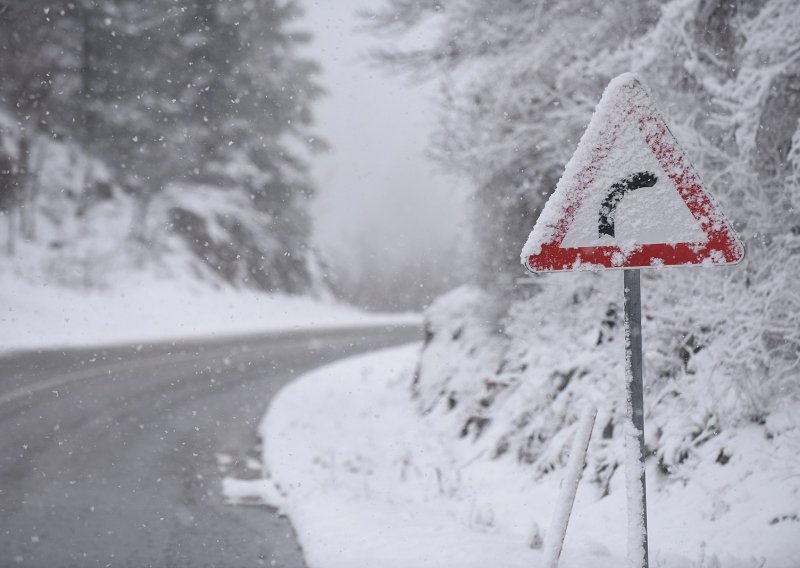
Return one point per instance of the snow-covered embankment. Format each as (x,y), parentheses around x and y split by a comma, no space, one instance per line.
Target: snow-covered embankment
(369,481)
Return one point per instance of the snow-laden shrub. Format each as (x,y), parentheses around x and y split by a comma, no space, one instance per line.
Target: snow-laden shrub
(515,386)
(720,351)
(219,233)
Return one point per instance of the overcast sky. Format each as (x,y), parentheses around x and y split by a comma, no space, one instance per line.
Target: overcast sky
(378,193)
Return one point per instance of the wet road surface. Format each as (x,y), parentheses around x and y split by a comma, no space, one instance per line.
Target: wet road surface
(112,456)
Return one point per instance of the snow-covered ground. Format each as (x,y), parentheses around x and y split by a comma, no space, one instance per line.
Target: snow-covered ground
(369,481)
(149,309)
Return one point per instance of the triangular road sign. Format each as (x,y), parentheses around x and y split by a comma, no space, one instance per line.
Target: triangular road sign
(629,197)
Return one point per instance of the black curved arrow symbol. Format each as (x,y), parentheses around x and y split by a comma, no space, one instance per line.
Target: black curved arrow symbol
(608,210)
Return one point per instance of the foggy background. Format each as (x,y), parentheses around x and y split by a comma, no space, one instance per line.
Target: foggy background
(259,146)
(387,217)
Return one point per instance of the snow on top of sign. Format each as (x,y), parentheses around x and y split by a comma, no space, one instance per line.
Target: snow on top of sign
(615,145)
(610,110)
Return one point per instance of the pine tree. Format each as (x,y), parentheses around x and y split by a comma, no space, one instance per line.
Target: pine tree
(166,92)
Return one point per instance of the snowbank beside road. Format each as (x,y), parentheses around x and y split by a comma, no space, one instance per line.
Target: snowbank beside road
(36,316)
(368,481)
(369,484)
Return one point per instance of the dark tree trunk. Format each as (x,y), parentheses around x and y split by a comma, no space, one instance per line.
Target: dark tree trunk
(22,184)
(28,218)
(11,239)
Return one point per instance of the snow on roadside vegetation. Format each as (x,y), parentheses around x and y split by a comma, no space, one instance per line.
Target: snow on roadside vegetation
(511,378)
(456,458)
(142,308)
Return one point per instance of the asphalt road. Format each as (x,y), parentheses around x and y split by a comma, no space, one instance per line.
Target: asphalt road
(114,456)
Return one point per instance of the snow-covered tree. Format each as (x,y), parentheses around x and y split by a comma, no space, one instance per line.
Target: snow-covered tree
(519,82)
(161,93)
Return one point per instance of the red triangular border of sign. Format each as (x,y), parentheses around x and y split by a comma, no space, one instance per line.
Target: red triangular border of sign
(722,247)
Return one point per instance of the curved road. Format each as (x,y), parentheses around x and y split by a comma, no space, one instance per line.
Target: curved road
(114,456)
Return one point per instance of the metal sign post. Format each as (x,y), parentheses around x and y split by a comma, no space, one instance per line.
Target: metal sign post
(634,396)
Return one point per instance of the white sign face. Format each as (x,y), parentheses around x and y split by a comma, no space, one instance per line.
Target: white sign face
(629,198)
(655,214)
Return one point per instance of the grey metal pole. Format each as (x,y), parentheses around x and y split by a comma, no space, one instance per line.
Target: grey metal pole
(635,453)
